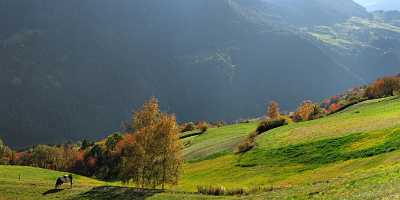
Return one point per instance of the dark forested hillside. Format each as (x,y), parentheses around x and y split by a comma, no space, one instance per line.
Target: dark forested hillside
(74,69)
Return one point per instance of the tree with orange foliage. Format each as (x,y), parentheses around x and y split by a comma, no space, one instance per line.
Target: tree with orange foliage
(273,110)
(2,150)
(6,154)
(383,87)
(308,111)
(335,107)
(202,126)
(69,155)
(153,157)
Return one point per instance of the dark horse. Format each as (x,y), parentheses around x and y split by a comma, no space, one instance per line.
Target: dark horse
(63,179)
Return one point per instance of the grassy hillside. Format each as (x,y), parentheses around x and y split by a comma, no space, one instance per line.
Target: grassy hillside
(352,154)
(349,153)
(216,141)
(357,33)
(38,183)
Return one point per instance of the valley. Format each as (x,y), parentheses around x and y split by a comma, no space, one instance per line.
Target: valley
(207,60)
(351,154)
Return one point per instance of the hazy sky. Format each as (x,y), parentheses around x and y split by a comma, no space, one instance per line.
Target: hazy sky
(366,2)
(380,4)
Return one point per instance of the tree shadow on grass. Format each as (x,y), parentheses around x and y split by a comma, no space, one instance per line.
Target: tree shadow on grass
(117,193)
(52,191)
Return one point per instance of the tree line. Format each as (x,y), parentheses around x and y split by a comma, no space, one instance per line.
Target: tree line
(149,155)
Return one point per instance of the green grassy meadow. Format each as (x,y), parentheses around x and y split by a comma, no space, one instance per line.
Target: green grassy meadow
(216,141)
(38,183)
(353,154)
(320,155)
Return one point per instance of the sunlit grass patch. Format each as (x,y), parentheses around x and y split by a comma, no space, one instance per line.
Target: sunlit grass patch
(371,115)
(308,159)
(216,141)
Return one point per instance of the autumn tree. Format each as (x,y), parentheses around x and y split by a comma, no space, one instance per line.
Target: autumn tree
(308,111)
(6,154)
(68,159)
(43,156)
(383,87)
(273,110)
(86,144)
(190,126)
(168,151)
(2,149)
(202,126)
(24,158)
(112,141)
(153,156)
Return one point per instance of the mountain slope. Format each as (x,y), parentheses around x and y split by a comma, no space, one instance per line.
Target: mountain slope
(75,69)
(366,47)
(317,12)
(38,183)
(356,148)
(352,154)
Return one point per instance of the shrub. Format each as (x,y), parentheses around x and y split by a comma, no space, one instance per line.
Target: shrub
(246,145)
(211,190)
(244,121)
(287,119)
(220,190)
(308,111)
(202,126)
(237,191)
(270,124)
(219,124)
(191,134)
(188,127)
(258,189)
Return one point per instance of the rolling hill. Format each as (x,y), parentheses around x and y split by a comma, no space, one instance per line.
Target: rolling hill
(352,154)
(76,69)
(345,155)
(38,183)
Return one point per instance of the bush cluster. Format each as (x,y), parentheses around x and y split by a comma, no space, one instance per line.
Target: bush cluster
(220,190)
(202,126)
(219,124)
(211,190)
(308,111)
(247,144)
(190,126)
(269,124)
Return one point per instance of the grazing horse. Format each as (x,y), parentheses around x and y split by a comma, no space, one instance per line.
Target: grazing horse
(63,179)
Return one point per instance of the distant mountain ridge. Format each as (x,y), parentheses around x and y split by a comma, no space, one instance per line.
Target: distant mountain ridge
(74,69)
